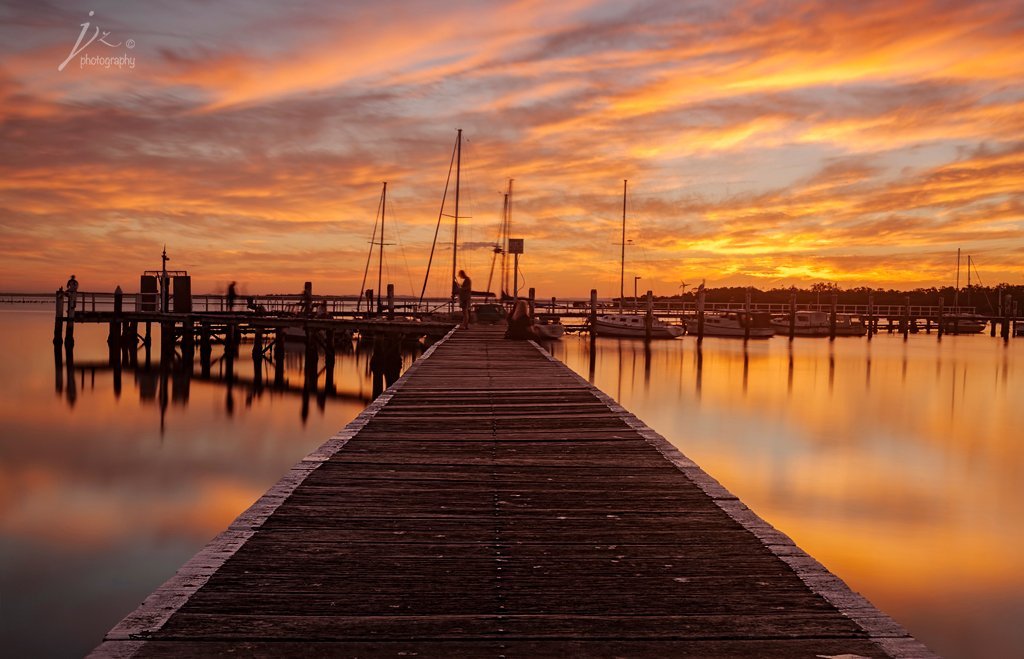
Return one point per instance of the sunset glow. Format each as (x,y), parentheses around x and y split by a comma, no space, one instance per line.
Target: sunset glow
(766,144)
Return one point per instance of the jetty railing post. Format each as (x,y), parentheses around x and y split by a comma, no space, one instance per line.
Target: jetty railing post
(114,333)
(906,317)
(832,318)
(700,315)
(942,305)
(533,300)
(58,317)
(1005,317)
(872,321)
(69,333)
(649,316)
(746,315)
(391,301)
(593,316)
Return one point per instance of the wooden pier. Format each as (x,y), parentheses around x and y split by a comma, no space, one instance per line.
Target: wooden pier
(493,503)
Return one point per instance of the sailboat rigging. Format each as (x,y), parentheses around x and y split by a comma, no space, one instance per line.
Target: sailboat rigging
(378,219)
(456,161)
(631,325)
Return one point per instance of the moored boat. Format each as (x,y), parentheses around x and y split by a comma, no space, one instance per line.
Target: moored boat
(634,326)
(548,327)
(735,324)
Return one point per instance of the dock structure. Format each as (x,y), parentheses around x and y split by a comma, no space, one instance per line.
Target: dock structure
(493,503)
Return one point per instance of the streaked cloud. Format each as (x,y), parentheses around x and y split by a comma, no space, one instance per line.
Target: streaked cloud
(765,143)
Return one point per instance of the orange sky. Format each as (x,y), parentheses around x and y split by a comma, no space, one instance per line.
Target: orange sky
(766,143)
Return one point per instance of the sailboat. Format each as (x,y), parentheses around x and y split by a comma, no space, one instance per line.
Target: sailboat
(631,325)
(547,326)
(962,323)
(456,165)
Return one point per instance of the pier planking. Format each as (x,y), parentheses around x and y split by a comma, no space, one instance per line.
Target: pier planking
(493,503)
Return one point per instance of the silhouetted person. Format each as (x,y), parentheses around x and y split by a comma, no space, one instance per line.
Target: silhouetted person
(520,323)
(232,294)
(72,287)
(465,297)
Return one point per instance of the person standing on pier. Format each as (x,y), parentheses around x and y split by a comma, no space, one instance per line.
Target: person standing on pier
(232,294)
(465,297)
(72,287)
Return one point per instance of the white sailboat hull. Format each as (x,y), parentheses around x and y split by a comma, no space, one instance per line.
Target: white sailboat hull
(626,326)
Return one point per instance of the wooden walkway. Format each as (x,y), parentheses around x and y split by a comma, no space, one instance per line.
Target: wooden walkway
(492,503)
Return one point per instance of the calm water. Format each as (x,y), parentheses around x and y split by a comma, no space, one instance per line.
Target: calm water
(898,465)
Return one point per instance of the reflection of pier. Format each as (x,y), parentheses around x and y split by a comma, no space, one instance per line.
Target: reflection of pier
(264,369)
(493,503)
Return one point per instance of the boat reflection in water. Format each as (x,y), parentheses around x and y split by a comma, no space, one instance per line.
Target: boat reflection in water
(897,464)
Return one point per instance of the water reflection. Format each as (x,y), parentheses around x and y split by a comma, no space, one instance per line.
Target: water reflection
(168,381)
(895,462)
(122,459)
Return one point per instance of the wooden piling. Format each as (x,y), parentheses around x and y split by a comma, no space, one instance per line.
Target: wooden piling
(872,320)
(391,301)
(279,357)
(905,320)
(701,296)
(58,318)
(114,333)
(832,317)
(69,331)
(1005,312)
(552,305)
(942,304)
(792,316)
(746,315)
(649,316)
(533,300)
(593,316)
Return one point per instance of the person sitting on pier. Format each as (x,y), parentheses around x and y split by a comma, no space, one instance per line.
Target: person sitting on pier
(251,305)
(520,323)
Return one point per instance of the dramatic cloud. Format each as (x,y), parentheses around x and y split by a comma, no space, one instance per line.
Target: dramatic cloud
(765,143)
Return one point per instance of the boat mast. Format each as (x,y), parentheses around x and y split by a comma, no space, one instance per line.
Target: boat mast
(508,231)
(380,257)
(956,293)
(622,268)
(968,280)
(455,240)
